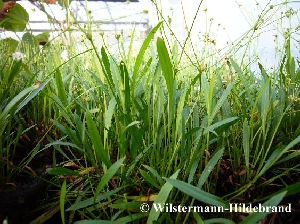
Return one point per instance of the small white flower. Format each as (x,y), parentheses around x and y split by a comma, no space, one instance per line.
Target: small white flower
(17,56)
(64,55)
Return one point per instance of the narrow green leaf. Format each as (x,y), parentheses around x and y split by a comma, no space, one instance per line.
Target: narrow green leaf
(291,190)
(161,198)
(14,72)
(107,70)
(101,154)
(109,112)
(108,175)
(14,101)
(246,143)
(123,220)
(255,217)
(139,58)
(155,173)
(166,66)
(197,193)
(198,218)
(63,171)
(226,121)
(149,179)
(221,101)
(137,158)
(63,193)
(126,86)
(209,168)
(31,95)
(219,221)
(276,155)
(60,88)
(91,201)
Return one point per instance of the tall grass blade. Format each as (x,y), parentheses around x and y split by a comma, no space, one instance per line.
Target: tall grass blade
(14,101)
(108,175)
(107,70)
(246,143)
(147,177)
(197,193)
(31,95)
(221,101)
(258,216)
(126,87)
(63,193)
(60,88)
(161,198)
(167,67)
(91,201)
(219,221)
(124,220)
(140,56)
(209,168)
(101,154)
(276,155)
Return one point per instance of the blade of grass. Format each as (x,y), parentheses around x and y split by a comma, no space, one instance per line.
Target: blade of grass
(197,193)
(101,154)
(209,168)
(140,56)
(108,175)
(91,201)
(167,68)
(63,193)
(258,216)
(161,199)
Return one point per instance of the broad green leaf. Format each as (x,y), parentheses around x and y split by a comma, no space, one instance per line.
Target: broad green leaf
(16,20)
(197,193)
(29,40)
(8,45)
(108,175)
(100,152)
(161,199)
(255,217)
(42,37)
